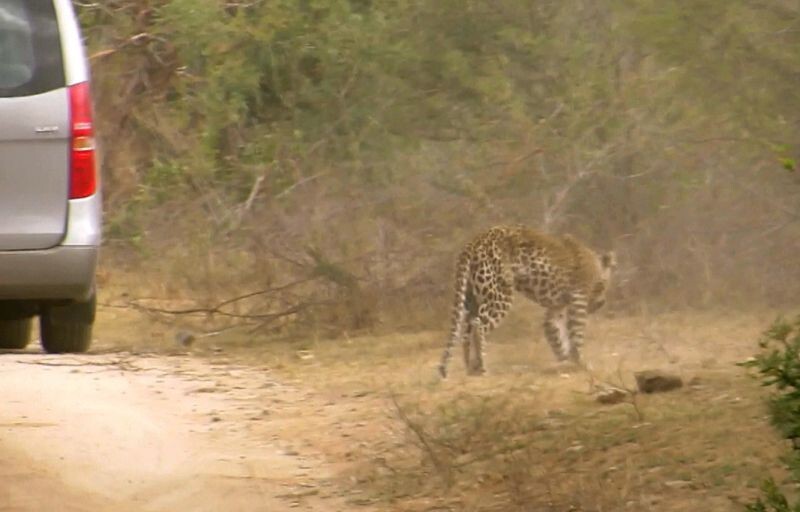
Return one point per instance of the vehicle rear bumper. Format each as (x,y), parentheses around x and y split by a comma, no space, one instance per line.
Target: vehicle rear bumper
(63,272)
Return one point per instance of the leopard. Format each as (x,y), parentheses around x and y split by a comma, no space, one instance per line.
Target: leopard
(558,272)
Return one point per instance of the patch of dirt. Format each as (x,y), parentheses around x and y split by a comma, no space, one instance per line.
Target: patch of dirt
(157,433)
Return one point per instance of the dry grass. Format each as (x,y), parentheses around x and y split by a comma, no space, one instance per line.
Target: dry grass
(529,435)
(509,451)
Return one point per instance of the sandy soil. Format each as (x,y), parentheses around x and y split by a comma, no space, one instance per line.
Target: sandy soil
(137,432)
(238,424)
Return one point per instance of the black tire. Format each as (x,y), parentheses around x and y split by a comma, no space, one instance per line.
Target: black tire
(15,334)
(68,327)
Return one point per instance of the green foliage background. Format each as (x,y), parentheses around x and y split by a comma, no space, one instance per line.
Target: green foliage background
(259,138)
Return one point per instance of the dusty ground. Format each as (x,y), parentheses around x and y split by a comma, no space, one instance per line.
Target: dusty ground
(122,431)
(241,424)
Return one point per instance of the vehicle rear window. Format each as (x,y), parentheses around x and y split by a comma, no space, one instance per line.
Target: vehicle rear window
(30,49)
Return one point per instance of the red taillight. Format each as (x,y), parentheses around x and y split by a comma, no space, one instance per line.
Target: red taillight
(82,173)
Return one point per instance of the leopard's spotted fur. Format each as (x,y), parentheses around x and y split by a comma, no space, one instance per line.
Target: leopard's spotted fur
(557,272)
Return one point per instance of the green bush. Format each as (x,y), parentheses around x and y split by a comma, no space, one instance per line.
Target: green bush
(779,367)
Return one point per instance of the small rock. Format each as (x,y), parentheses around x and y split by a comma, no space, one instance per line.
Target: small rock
(657,381)
(260,415)
(611,395)
(547,424)
(709,362)
(677,484)
(184,338)
(305,355)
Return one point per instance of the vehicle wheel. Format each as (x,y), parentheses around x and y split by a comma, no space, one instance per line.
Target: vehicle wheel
(67,327)
(15,333)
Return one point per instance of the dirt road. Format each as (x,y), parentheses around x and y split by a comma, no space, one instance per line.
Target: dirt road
(156,433)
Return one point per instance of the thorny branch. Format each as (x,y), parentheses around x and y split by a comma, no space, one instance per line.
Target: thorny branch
(631,394)
(422,436)
(217,309)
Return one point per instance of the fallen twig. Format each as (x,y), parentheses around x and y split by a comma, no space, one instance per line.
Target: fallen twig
(422,436)
(121,364)
(218,308)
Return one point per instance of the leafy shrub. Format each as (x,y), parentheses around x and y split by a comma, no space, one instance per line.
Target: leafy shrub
(779,367)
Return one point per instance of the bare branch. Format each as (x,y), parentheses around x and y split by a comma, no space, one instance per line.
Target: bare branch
(422,436)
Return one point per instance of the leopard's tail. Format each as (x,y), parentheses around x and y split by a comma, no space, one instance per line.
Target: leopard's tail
(460,310)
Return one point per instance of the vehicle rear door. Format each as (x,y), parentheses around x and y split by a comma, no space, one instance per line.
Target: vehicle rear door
(34,127)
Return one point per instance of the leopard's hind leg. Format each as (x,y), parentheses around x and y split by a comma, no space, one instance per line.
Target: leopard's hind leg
(576,325)
(461,311)
(490,312)
(467,344)
(554,333)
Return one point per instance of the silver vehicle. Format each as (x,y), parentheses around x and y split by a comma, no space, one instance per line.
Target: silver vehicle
(50,205)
